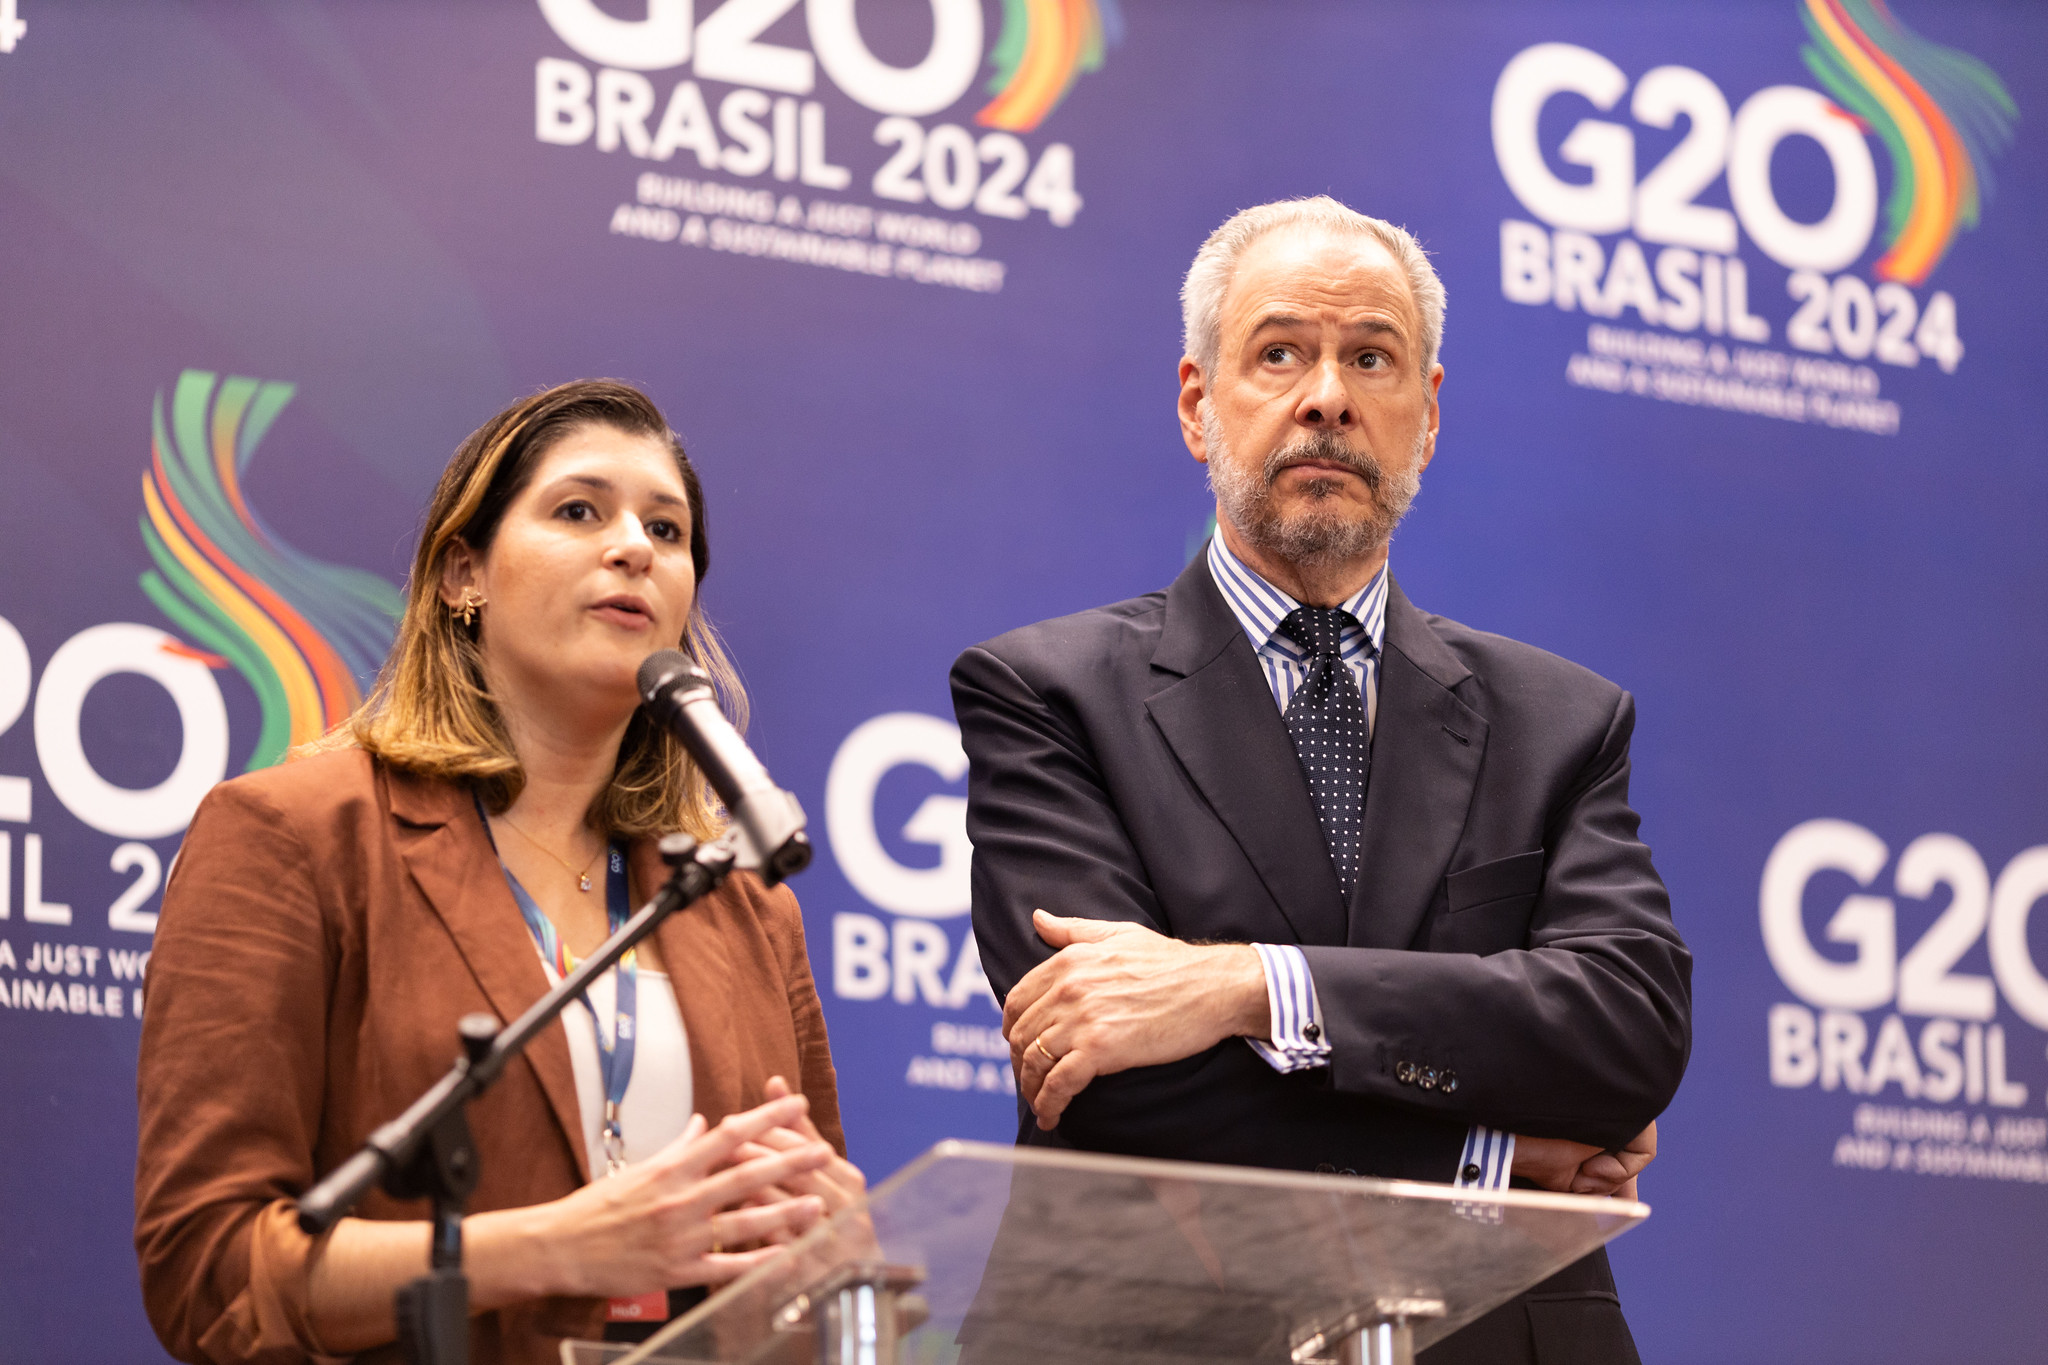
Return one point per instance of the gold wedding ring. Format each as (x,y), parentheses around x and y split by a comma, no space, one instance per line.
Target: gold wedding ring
(1039,1043)
(717,1247)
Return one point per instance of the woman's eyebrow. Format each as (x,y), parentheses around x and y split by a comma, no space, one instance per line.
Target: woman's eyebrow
(599,483)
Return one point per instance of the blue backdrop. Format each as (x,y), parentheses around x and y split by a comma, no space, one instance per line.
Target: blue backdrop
(1743,408)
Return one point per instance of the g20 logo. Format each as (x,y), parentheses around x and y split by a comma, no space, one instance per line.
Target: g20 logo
(727,46)
(1922,980)
(79,665)
(1043,49)
(1660,206)
(1961,1052)
(874,749)
(912,957)
(1882,83)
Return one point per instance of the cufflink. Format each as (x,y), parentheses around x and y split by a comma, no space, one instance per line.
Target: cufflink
(1471,1172)
(1312,1030)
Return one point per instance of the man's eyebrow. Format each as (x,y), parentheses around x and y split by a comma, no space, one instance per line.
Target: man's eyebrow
(1376,326)
(598,483)
(1275,320)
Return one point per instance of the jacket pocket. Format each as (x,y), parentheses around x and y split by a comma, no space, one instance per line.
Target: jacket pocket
(1518,875)
(1488,906)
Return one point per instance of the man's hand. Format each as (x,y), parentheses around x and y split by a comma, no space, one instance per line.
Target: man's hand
(1575,1168)
(1118,995)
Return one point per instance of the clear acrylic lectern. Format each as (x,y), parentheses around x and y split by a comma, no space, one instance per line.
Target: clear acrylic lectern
(990,1255)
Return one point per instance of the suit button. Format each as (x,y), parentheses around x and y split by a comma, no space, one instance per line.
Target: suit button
(1427,1080)
(1312,1030)
(1447,1082)
(1471,1172)
(1347,1171)
(1405,1073)
(1325,1168)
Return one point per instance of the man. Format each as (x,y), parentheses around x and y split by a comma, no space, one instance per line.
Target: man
(1271,867)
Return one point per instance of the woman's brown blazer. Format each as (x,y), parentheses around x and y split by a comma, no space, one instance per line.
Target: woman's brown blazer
(326,925)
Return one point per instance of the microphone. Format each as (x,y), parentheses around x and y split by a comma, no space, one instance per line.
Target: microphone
(678,695)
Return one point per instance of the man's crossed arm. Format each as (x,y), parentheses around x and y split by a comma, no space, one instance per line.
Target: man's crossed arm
(1116,995)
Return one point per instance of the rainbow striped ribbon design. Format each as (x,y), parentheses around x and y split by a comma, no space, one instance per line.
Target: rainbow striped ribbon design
(1044,48)
(307,635)
(1940,113)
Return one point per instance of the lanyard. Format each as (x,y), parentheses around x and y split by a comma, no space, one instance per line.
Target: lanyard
(615,1056)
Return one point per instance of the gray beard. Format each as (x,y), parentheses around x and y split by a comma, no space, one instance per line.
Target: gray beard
(1327,531)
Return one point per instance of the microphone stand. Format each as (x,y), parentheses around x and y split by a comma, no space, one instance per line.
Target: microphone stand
(427,1152)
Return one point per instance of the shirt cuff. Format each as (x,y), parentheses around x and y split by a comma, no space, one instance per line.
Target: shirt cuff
(1297,1041)
(1488,1160)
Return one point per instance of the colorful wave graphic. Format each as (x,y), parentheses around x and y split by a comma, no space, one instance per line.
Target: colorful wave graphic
(1045,47)
(307,635)
(1940,113)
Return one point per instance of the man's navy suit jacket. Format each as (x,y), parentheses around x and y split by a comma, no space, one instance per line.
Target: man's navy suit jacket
(1129,763)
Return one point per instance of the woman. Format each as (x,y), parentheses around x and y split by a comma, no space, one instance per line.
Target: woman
(479,825)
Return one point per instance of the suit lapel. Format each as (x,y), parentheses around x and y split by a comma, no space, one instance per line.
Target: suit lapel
(1219,719)
(444,846)
(1426,752)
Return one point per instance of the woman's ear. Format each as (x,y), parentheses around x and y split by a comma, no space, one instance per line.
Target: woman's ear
(459,572)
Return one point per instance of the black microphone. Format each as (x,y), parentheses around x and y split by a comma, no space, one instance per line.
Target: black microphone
(678,694)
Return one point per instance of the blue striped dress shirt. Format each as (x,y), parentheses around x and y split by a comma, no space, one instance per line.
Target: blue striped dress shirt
(1298,1038)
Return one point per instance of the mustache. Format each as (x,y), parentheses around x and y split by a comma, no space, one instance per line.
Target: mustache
(1325,447)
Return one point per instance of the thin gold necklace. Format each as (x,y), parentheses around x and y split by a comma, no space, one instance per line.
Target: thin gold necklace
(582,878)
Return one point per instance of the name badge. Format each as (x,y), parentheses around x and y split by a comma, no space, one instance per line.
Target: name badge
(639,1308)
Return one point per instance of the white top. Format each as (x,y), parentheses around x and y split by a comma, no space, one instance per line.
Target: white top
(659,1097)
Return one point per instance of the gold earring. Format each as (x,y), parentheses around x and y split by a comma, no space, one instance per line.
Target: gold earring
(471,600)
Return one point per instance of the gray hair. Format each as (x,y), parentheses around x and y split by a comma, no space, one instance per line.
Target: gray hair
(1201,294)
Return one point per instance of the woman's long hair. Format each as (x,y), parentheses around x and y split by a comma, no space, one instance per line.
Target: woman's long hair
(431,712)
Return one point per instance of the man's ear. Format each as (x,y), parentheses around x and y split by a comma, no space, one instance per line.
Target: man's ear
(1193,389)
(1435,386)
(460,570)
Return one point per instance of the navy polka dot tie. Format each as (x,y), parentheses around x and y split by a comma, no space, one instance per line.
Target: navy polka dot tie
(1327,721)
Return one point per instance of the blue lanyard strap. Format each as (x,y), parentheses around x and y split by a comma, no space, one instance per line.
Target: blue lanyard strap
(614,1055)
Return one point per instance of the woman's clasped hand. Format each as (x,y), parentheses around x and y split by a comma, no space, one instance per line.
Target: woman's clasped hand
(707,1208)
(837,1184)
